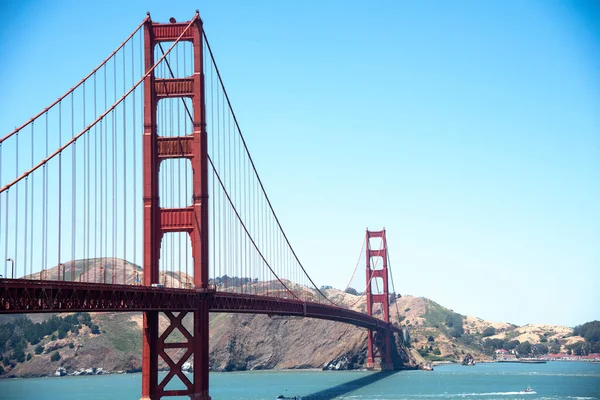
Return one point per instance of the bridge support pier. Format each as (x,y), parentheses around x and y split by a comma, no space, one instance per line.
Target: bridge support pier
(379,343)
(161,346)
(201,352)
(150,355)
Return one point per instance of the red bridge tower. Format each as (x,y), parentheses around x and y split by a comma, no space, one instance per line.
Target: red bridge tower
(192,219)
(379,343)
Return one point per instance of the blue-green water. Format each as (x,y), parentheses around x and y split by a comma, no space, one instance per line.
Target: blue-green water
(554,380)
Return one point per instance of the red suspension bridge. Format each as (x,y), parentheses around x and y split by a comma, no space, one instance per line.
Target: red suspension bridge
(143,163)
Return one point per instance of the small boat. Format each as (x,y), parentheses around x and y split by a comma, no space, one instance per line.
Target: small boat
(528,390)
(282,397)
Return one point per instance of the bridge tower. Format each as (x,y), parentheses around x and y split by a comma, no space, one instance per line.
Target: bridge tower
(192,219)
(379,343)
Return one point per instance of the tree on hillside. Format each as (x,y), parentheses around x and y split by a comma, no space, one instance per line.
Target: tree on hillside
(351,290)
(509,345)
(455,322)
(591,333)
(579,348)
(62,332)
(524,349)
(95,329)
(489,331)
(494,344)
(554,348)
(457,332)
(589,330)
(19,355)
(540,349)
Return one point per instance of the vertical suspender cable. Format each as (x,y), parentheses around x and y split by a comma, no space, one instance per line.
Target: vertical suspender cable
(103,182)
(32,203)
(134,139)
(73,184)
(59,182)
(85,194)
(26,209)
(214,197)
(6,233)
(124,175)
(96,194)
(220,192)
(114,175)
(45,205)
(134,167)
(15,256)
(88,198)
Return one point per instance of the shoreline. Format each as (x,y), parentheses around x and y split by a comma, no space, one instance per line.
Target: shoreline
(433,363)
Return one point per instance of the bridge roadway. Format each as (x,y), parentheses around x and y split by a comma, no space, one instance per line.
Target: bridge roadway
(20,296)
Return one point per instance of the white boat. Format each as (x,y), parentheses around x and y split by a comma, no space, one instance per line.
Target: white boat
(528,390)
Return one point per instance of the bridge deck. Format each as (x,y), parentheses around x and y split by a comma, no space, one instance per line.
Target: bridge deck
(19,296)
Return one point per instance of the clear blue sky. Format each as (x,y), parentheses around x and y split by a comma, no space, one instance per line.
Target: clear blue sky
(469,129)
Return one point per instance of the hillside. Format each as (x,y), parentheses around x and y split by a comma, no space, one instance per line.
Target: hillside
(112,341)
(440,334)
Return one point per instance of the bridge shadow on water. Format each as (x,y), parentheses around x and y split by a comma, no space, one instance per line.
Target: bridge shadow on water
(350,386)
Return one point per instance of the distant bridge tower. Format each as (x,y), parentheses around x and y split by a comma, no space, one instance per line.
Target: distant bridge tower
(379,343)
(192,219)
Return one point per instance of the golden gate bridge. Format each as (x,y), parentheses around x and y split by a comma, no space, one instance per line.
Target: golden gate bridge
(144,161)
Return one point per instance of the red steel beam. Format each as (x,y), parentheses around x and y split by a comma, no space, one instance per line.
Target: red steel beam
(19,296)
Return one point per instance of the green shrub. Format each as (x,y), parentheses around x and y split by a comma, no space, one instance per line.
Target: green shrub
(39,349)
(19,355)
(55,356)
(28,356)
(352,291)
(456,332)
(489,331)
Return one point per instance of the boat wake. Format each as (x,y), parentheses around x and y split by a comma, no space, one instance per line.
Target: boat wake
(497,393)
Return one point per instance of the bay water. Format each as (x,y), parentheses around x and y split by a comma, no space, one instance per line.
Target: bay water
(553,380)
